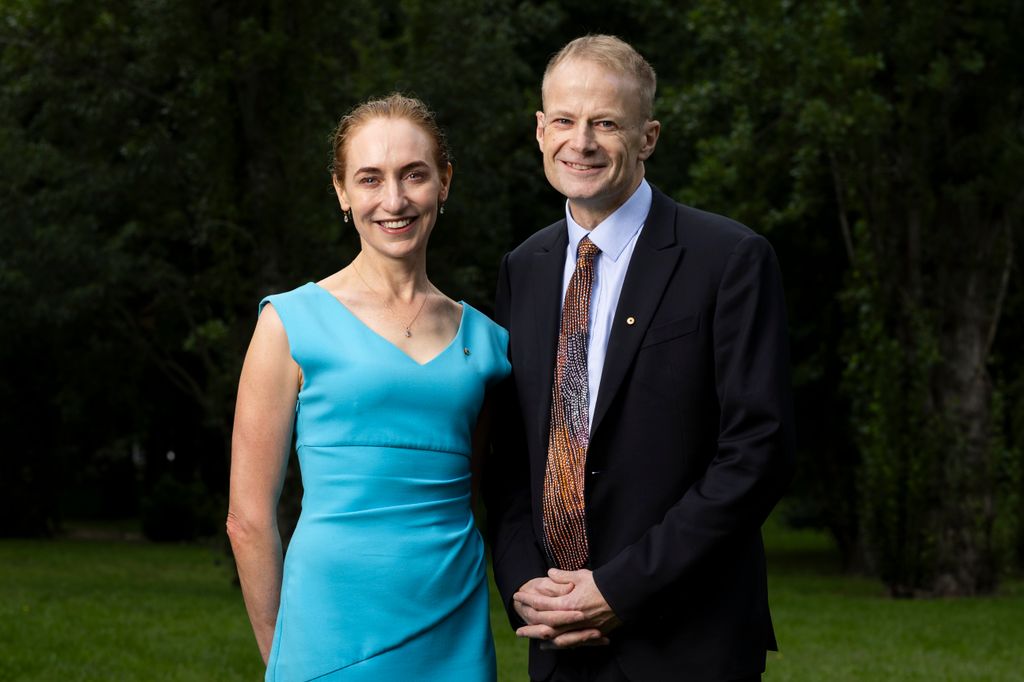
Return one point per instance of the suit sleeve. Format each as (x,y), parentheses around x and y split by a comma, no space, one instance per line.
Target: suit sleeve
(754,458)
(516,555)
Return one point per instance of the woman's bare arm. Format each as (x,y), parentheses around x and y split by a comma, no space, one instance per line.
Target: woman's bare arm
(260,446)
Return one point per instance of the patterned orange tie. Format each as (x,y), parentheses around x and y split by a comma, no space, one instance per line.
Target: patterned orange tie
(565,528)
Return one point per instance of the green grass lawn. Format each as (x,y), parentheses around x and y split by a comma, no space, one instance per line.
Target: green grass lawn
(103,610)
(837,627)
(92,610)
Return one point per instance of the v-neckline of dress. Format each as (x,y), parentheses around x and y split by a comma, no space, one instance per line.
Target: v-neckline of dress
(374,332)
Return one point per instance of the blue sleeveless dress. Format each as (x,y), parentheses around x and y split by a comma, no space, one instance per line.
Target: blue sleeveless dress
(384,578)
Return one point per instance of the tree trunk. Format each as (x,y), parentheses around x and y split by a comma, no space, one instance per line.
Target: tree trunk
(967,549)
(966,559)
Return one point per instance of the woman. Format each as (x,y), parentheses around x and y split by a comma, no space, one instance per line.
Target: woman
(383,378)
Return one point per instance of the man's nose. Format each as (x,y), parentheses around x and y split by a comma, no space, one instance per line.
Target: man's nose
(583,139)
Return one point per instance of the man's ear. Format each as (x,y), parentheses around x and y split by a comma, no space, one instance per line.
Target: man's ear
(540,130)
(651,130)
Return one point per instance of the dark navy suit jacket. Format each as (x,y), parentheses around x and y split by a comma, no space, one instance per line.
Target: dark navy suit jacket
(690,448)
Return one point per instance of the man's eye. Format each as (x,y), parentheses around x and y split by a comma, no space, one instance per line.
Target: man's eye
(563,121)
(368,180)
(606,125)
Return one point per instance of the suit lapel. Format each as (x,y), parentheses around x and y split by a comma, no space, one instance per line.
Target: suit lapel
(653,262)
(548,269)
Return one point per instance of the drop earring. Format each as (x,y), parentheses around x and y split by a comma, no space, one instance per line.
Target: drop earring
(344,215)
(442,209)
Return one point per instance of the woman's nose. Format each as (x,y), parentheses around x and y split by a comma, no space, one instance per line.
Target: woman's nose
(394,197)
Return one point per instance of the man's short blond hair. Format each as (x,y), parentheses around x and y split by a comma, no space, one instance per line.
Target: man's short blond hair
(618,56)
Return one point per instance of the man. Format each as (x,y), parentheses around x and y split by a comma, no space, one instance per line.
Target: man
(644,435)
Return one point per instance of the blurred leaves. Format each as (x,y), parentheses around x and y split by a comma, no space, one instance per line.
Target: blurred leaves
(163,166)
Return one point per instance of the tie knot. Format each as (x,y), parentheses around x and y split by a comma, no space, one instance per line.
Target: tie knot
(586,250)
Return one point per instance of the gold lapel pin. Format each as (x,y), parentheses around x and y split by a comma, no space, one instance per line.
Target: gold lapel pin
(630,320)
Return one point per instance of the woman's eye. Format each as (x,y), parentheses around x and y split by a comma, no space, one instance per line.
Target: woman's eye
(368,180)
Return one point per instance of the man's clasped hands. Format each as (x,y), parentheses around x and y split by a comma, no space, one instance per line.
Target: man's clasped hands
(564,610)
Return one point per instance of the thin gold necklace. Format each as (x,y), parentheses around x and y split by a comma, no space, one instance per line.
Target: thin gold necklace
(408,327)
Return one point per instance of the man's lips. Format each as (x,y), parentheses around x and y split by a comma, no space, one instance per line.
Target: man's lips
(581,167)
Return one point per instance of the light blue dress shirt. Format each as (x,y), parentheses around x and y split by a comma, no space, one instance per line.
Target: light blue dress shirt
(616,236)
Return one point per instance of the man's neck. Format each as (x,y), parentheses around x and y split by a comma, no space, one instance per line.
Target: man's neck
(588,216)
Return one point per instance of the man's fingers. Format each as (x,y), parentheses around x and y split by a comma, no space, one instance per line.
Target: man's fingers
(539,602)
(554,619)
(564,633)
(557,575)
(575,638)
(552,589)
(536,632)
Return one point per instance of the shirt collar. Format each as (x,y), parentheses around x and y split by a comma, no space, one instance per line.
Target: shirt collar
(614,232)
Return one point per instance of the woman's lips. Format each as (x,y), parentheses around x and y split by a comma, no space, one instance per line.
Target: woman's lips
(396,226)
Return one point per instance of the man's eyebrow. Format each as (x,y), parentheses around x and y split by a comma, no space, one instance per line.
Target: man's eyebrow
(603,115)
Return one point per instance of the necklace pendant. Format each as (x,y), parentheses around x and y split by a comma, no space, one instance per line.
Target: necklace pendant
(407,332)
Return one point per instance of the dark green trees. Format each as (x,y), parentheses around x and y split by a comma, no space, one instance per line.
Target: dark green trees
(895,129)
(163,166)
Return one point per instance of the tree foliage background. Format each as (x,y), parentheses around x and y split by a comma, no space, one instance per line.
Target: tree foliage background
(163,166)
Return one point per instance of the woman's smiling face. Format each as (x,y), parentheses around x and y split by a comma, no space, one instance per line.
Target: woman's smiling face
(392,185)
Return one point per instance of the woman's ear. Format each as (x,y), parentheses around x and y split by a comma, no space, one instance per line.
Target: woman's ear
(339,189)
(446,182)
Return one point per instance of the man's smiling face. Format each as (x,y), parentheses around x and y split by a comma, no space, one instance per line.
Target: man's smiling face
(594,137)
